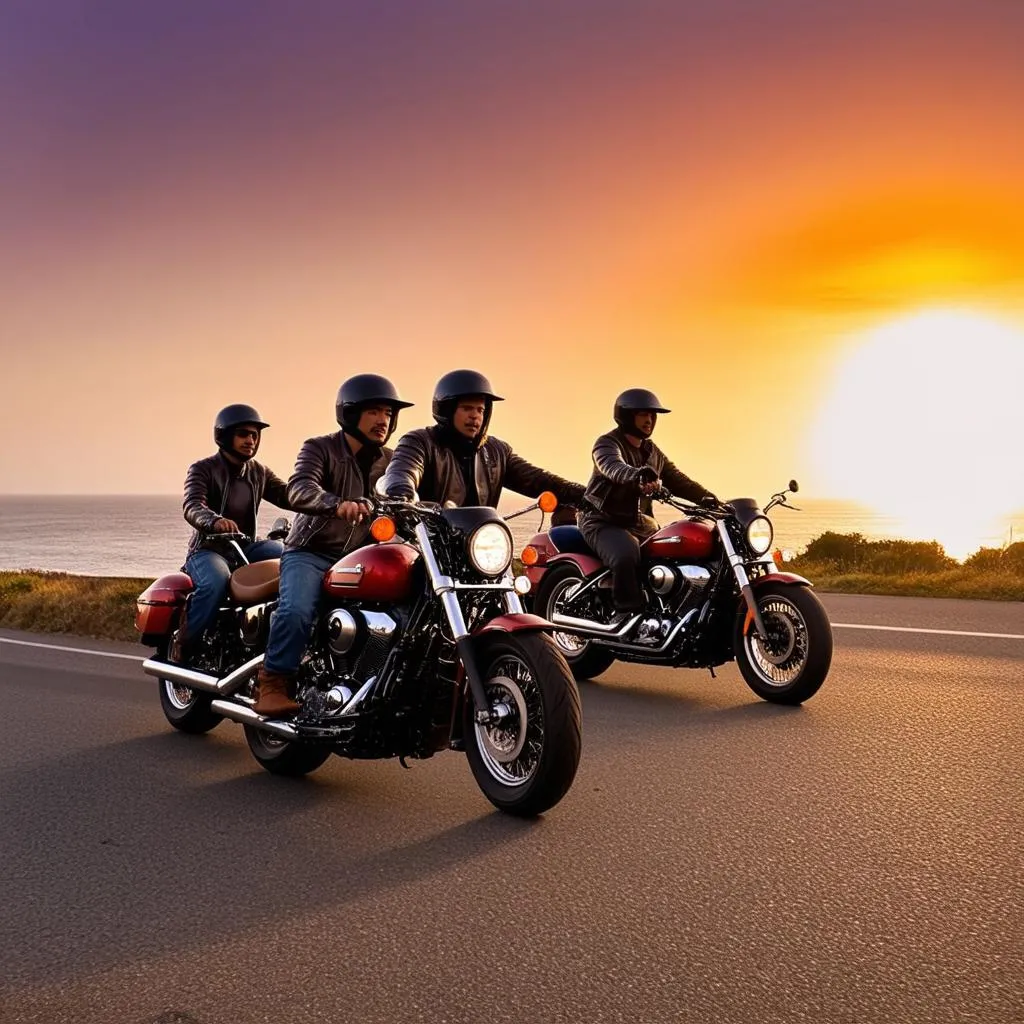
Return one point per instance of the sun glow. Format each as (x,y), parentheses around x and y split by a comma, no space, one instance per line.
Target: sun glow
(924,423)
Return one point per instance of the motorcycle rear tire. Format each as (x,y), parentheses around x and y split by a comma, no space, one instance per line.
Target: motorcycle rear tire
(282,757)
(191,715)
(590,660)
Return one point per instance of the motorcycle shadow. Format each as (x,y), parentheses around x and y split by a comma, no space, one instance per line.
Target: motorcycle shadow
(673,698)
(115,849)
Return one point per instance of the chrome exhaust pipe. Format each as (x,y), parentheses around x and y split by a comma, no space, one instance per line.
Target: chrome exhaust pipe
(246,716)
(588,627)
(180,674)
(234,680)
(200,680)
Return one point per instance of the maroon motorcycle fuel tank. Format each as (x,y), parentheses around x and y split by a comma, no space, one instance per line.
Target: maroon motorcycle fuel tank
(686,540)
(377,572)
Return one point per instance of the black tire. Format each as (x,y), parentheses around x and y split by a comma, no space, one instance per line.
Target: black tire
(284,757)
(186,709)
(792,667)
(584,658)
(528,764)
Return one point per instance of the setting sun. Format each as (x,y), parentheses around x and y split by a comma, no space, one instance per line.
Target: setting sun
(923,422)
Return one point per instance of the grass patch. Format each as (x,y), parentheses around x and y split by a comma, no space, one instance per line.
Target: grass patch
(55,602)
(847,563)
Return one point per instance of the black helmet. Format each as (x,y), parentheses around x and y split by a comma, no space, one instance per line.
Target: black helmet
(632,401)
(361,390)
(458,384)
(232,416)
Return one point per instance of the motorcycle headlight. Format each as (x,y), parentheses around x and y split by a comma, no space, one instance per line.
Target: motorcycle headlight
(760,534)
(490,549)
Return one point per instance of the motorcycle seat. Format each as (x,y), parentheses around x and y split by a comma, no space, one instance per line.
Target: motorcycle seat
(256,582)
(569,540)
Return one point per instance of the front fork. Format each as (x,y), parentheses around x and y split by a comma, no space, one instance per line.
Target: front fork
(444,587)
(739,568)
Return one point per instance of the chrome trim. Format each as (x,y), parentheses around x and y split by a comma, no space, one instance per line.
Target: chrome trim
(589,627)
(453,610)
(357,568)
(482,586)
(678,628)
(246,716)
(234,680)
(438,580)
(200,680)
(357,699)
(180,674)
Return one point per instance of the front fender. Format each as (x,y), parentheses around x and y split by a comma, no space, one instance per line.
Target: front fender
(514,622)
(781,577)
(789,579)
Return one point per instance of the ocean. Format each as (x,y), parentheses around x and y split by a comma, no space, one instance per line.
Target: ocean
(145,535)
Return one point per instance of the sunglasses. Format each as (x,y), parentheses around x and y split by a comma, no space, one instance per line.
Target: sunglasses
(254,434)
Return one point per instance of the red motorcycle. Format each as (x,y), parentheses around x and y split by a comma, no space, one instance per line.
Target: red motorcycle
(421,644)
(714,594)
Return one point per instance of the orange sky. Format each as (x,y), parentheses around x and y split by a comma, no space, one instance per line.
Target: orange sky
(706,199)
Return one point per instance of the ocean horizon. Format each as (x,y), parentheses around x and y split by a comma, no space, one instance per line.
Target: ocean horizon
(145,535)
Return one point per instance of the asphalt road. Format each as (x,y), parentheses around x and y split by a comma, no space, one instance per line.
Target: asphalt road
(718,859)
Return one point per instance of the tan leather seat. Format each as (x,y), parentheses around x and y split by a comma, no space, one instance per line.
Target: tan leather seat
(256,582)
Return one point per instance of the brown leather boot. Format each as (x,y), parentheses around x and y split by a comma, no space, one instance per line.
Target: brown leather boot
(272,700)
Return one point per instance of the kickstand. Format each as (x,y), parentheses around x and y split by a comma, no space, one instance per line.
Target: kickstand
(711,669)
(401,761)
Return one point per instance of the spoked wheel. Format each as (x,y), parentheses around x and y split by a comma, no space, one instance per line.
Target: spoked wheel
(584,658)
(790,664)
(284,757)
(186,709)
(526,761)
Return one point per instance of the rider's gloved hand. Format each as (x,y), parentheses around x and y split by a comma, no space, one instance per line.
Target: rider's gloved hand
(647,475)
(351,511)
(226,526)
(710,500)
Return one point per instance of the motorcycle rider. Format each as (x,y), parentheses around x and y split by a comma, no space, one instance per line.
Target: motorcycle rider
(332,473)
(222,495)
(457,461)
(628,468)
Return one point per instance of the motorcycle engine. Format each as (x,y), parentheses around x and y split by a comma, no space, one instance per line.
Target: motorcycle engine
(358,640)
(678,585)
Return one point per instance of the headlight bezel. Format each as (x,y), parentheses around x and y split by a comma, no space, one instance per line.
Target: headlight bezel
(763,546)
(490,566)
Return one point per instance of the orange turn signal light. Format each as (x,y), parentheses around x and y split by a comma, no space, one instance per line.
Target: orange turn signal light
(530,555)
(382,528)
(547,502)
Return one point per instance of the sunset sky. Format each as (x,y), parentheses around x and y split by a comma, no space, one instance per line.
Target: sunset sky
(215,201)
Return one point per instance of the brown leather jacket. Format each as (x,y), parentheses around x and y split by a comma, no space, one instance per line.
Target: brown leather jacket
(326,474)
(424,464)
(613,492)
(207,488)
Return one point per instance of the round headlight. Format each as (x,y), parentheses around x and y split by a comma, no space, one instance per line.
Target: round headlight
(760,534)
(490,549)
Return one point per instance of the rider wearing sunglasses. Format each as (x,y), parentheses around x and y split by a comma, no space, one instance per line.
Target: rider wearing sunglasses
(222,495)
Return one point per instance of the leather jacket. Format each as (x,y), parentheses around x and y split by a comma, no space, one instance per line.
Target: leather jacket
(208,484)
(326,474)
(613,492)
(424,464)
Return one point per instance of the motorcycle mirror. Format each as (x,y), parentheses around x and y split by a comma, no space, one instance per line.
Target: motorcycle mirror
(793,486)
(547,502)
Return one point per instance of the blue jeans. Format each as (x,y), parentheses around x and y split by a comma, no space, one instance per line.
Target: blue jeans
(210,575)
(302,577)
